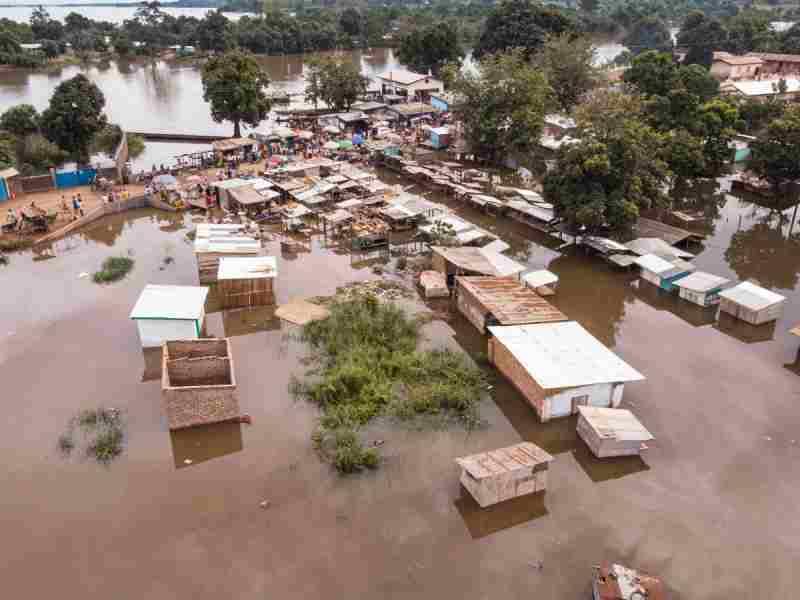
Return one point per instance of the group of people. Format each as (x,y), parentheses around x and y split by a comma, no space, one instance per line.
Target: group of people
(75,208)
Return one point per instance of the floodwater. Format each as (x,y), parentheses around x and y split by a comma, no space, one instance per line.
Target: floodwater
(712,506)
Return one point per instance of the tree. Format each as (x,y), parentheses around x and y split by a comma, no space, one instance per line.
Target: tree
(43,27)
(604,112)
(701,35)
(37,155)
(313,89)
(340,83)
(568,64)
(9,43)
(750,31)
(350,21)
(430,48)
(776,155)
(757,113)
(7,152)
(648,33)
(503,105)
(683,152)
(20,120)
(589,5)
(122,44)
(51,48)
(74,116)
(717,123)
(214,33)
(520,24)
(790,40)
(234,85)
(652,73)
(597,184)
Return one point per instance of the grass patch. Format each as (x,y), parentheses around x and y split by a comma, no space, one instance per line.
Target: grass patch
(114,269)
(100,432)
(13,245)
(367,364)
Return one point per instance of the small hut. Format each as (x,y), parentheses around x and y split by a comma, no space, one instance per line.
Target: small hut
(208,252)
(486,301)
(433,284)
(452,262)
(701,288)
(506,473)
(246,281)
(169,312)
(198,385)
(559,366)
(543,282)
(611,431)
(751,303)
(661,272)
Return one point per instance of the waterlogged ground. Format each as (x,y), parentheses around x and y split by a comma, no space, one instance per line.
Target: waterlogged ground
(711,507)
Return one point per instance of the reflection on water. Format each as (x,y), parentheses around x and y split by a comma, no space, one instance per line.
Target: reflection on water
(743,331)
(199,444)
(485,521)
(662,300)
(245,321)
(153,364)
(605,469)
(765,254)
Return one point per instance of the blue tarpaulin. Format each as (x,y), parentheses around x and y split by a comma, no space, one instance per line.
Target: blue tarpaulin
(358,139)
(72,177)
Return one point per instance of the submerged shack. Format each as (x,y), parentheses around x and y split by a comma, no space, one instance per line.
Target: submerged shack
(208,252)
(452,262)
(487,301)
(661,272)
(169,312)
(751,303)
(612,431)
(246,281)
(559,367)
(543,282)
(506,473)
(615,582)
(198,385)
(701,288)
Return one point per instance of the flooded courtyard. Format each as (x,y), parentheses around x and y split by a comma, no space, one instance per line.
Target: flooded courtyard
(711,507)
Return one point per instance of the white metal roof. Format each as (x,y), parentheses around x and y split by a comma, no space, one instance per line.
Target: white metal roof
(229,184)
(766,87)
(751,296)
(700,281)
(182,302)
(403,76)
(217,230)
(615,423)
(539,278)
(496,246)
(247,267)
(663,267)
(563,355)
(228,245)
(642,246)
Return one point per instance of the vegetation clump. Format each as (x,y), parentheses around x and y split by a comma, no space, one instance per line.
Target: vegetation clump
(100,431)
(14,244)
(368,366)
(114,269)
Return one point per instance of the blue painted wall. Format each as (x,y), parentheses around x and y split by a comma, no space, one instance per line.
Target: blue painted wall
(439,104)
(3,190)
(66,179)
(667,283)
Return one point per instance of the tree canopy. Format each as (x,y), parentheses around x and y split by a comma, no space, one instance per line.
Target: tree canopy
(335,82)
(431,47)
(20,120)
(234,85)
(74,116)
(776,154)
(520,24)
(568,64)
(503,105)
(648,33)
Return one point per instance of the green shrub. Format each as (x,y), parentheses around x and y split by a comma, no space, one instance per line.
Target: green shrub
(114,269)
(12,245)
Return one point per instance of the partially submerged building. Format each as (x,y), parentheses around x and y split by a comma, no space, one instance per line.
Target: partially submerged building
(198,385)
(612,431)
(615,582)
(169,312)
(661,272)
(454,261)
(246,281)
(433,284)
(559,366)
(543,282)
(488,301)
(505,473)
(208,252)
(751,303)
(408,84)
(701,288)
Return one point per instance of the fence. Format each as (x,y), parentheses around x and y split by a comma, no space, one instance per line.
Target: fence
(37,183)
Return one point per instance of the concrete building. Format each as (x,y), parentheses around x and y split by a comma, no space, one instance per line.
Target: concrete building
(727,66)
(169,312)
(559,367)
(413,86)
(612,431)
(506,473)
(701,288)
(778,64)
(751,303)
(763,89)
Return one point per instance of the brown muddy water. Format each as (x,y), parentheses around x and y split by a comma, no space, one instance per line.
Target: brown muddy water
(712,506)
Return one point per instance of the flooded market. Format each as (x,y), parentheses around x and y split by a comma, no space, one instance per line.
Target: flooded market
(251,511)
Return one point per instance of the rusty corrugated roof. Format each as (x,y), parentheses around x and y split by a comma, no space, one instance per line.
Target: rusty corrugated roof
(616,582)
(510,302)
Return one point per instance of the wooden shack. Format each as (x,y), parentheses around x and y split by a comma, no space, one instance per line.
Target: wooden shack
(701,288)
(612,431)
(543,282)
(246,281)
(198,385)
(452,262)
(486,301)
(751,303)
(169,312)
(433,284)
(615,582)
(661,272)
(559,366)
(506,473)
(208,252)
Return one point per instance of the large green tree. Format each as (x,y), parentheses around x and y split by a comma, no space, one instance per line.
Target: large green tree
(340,83)
(504,103)
(430,48)
(234,85)
(701,35)
(597,184)
(214,32)
(21,120)
(776,155)
(568,64)
(43,27)
(648,33)
(74,116)
(520,24)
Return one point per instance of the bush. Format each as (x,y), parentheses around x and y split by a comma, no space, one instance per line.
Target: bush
(13,245)
(38,155)
(114,269)
(25,60)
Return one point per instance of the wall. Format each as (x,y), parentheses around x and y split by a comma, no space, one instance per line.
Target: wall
(200,371)
(154,332)
(439,104)
(505,362)
(469,306)
(598,395)
(187,407)
(37,183)
(605,447)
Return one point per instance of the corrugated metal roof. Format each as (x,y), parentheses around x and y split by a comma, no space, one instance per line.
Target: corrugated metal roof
(652,245)
(751,296)
(497,246)
(509,301)
(246,267)
(615,423)
(563,355)
(402,76)
(700,281)
(539,278)
(603,245)
(664,267)
(8,173)
(765,87)
(246,195)
(480,260)
(229,184)
(170,302)
(227,245)
(648,228)
(504,460)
